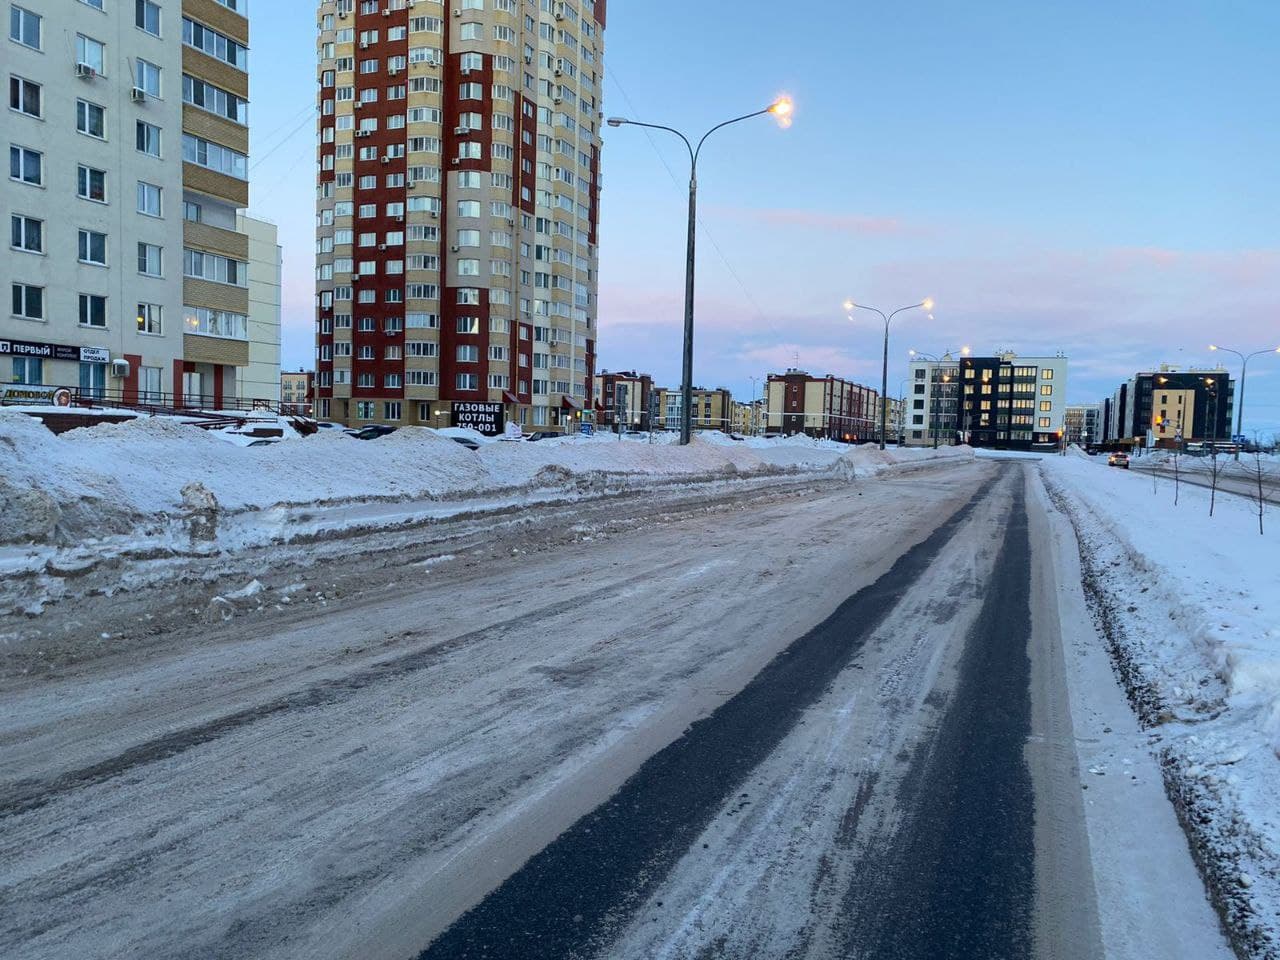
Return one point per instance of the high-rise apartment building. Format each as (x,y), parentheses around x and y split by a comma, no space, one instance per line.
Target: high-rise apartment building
(127,139)
(457,210)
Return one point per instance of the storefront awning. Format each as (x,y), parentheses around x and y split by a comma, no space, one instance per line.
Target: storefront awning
(568,403)
(509,397)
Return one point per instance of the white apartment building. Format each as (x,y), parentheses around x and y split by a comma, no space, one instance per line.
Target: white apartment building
(126,133)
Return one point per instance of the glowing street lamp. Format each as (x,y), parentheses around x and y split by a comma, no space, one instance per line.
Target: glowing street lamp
(781,109)
(926,305)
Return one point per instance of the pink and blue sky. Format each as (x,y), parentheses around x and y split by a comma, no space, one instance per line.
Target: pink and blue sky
(1093,177)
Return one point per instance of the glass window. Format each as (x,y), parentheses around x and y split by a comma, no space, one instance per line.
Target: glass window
(91,184)
(24,26)
(28,370)
(26,233)
(93,248)
(28,301)
(89,52)
(26,165)
(146,77)
(147,16)
(93,379)
(24,96)
(91,119)
(149,199)
(150,318)
(150,259)
(148,138)
(93,312)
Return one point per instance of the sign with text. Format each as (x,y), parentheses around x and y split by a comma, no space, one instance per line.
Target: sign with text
(95,355)
(38,350)
(485,417)
(24,393)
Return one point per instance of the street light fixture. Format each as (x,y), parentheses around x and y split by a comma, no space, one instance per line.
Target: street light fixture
(926,305)
(1244,369)
(781,109)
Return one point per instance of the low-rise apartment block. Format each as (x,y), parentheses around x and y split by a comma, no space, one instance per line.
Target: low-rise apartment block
(828,407)
(1002,401)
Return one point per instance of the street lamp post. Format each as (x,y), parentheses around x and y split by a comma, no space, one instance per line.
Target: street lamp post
(1244,369)
(781,109)
(1213,421)
(926,304)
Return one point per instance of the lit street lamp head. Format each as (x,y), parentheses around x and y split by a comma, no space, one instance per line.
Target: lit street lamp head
(616,121)
(927,303)
(782,109)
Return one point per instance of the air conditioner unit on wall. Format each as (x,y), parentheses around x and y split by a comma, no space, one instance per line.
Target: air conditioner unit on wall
(120,369)
(138,95)
(86,71)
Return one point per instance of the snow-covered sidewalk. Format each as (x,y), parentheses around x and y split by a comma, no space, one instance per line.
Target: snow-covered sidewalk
(1191,606)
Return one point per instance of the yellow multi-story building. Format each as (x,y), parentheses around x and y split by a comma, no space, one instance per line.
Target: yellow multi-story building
(712,409)
(457,203)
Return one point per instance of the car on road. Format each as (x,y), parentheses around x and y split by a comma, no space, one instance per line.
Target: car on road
(543,435)
(1118,460)
(466,442)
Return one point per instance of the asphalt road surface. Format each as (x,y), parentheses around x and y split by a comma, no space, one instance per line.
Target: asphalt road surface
(834,722)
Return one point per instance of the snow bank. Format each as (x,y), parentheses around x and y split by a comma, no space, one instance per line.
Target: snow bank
(102,480)
(1192,603)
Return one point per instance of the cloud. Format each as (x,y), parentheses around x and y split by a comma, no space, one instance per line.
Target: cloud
(858,224)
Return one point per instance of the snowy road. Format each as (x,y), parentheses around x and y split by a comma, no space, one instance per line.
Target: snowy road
(849,722)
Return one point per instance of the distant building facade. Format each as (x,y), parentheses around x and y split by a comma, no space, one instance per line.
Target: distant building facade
(1004,401)
(1169,404)
(297,392)
(829,407)
(712,409)
(1083,423)
(624,395)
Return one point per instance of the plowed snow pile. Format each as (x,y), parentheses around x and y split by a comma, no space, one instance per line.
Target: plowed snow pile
(103,480)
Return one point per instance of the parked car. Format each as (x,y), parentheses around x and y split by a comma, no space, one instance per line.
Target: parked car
(244,439)
(543,435)
(328,425)
(371,431)
(1118,460)
(466,442)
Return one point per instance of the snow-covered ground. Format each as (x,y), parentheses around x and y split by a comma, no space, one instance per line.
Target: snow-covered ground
(1191,605)
(142,482)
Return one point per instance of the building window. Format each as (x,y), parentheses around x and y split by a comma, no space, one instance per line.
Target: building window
(93,379)
(28,301)
(151,318)
(26,234)
(24,96)
(217,45)
(91,119)
(149,197)
(93,248)
(192,212)
(148,138)
(89,52)
(208,322)
(91,184)
(28,370)
(24,28)
(147,17)
(150,386)
(468,381)
(1046,390)
(93,312)
(150,260)
(26,166)
(146,77)
(1046,374)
